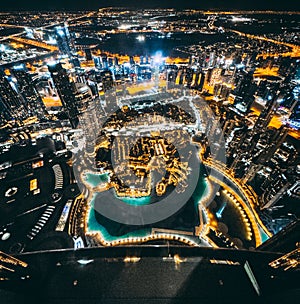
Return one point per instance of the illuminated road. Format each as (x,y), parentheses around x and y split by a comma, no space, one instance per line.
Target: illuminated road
(247,196)
(11,25)
(295,48)
(36,43)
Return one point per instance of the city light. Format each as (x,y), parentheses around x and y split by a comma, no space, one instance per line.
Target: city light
(141,38)
(141,149)
(157,58)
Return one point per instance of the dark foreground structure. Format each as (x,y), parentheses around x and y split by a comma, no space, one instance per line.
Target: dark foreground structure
(148,274)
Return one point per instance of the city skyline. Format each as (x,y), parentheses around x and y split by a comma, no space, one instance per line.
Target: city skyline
(34,5)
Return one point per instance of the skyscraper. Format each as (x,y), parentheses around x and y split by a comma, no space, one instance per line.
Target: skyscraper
(244,92)
(29,92)
(12,103)
(266,114)
(97,62)
(106,80)
(104,61)
(63,39)
(131,60)
(66,91)
(88,54)
(4,114)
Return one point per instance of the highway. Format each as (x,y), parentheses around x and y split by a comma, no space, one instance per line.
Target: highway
(295,48)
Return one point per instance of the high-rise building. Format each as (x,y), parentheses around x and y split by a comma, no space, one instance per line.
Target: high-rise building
(212,59)
(215,76)
(83,96)
(66,91)
(75,61)
(208,75)
(63,39)
(266,114)
(131,60)
(110,62)
(180,77)
(171,75)
(201,82)
(189,76)
(106,78)
(104,61)
(244,92)
(4,114)
(295,108)
(29,92)
(97,62)
(88,54)
(13,104)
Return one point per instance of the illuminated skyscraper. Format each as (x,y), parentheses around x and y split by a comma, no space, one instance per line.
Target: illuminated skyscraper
(215,76)
(29,92)
(66,91)
(97,62)
(244,92)
(11,102)
(106,80)
(110,62)
(104,61)
(63,39)
(171,75)
(295,108)
(266,114)
(4,114)
(201,82)
(88,54)
(131,60)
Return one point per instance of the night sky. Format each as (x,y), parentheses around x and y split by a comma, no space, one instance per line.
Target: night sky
(95,4)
